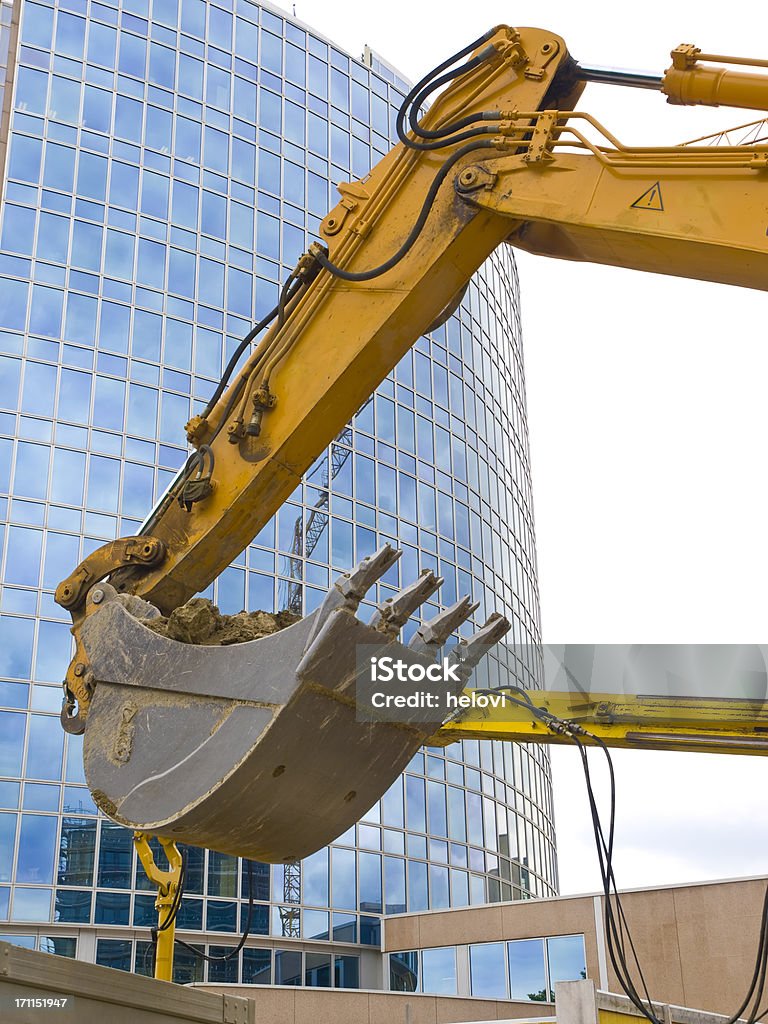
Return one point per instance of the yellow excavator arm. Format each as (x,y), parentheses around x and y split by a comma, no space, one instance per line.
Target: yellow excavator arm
(502,155)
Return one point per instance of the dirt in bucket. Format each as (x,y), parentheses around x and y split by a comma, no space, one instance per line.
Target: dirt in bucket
(199,621)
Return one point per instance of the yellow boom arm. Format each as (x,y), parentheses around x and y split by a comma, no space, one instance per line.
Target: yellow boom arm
(692,724)
(528,170)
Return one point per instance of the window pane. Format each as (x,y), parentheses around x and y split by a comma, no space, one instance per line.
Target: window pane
(287,967)
(315,873)
(438,972)
(7,840)
(417,885)
(344,885)
(487,970)
(567,961)
(347,971)
(394,885)
(45,747)
(73,905)
(77,851)
(370,882)
(37,852)
(257,967)
(114,953)
(114,856)
(317,969)
(112,908)
(526,969)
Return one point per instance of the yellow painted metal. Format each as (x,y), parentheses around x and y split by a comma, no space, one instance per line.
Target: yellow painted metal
(546,186)
(340,340)
(167,883)
(554,181)
(687,82)
(692,724)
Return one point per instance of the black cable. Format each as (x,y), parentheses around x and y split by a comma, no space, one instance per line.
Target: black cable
(368,275)
(230,367)
(429,83)
(618,932)
(246,931)
(618,956)
(614,933)
(443,136)
(289,290)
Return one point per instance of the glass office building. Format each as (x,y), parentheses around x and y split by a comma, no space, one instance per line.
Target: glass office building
(167,161)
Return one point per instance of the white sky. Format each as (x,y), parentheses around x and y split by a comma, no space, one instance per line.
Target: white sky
(649,432)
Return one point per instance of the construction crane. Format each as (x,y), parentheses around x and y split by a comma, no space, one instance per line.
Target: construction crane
(175,735)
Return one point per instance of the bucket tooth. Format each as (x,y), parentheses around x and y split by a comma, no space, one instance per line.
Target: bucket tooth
(392,614)
(350,588)
(434,633)
(261,749)
(469,652)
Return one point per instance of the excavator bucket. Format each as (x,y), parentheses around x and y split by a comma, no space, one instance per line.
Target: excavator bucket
(257,749)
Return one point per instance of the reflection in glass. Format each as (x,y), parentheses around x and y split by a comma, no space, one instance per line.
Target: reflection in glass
(487,970)
(77,851)
(527,975)
(438,971)
(567,961)
(317,969)
(404,972)
(346,971)
(257,967)
(287,967)
(114,953)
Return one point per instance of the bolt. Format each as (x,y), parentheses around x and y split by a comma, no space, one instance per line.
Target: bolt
(468,177)
(79,668)
(546,47)
(97,596)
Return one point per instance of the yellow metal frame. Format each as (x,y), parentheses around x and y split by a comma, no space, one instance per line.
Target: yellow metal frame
(550,180)
(545,185)
(692,724)
(167,883)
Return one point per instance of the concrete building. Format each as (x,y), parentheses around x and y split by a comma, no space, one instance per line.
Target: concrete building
(697,945)
(164,163)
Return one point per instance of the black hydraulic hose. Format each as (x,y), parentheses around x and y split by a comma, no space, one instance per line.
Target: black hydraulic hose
(616,924)
(426,83)
(443,135)
(243,345)
(246,931)
(368,275)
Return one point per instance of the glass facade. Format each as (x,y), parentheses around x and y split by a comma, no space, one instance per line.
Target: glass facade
(523,969)
(168,161)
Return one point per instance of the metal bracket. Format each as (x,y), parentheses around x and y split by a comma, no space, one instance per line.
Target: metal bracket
(474,178)
(167,883)
(133,551)
(543,137)
(352,194)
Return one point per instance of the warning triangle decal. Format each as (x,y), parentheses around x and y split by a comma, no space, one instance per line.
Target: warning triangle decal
(650,200)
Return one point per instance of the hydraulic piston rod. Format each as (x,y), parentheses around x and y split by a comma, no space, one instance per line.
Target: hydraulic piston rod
(619,76)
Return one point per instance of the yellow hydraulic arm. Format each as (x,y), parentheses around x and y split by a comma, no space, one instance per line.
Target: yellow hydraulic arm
(692,724)
(502,156)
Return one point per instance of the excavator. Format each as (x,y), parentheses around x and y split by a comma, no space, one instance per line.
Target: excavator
(258,749)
